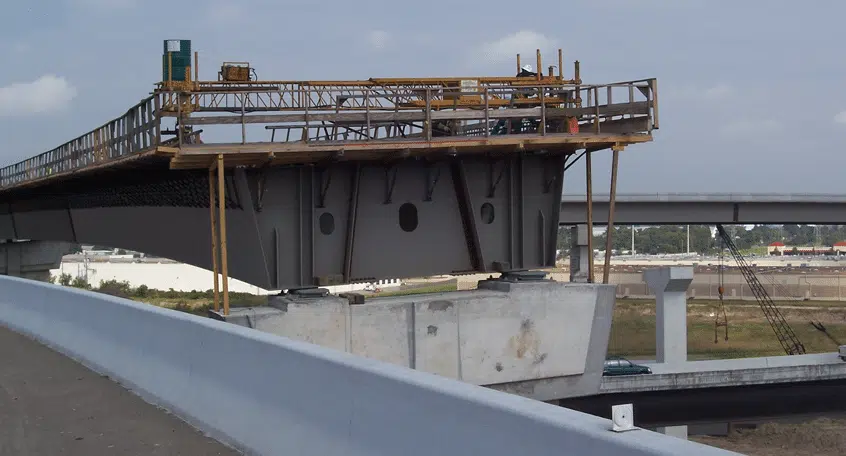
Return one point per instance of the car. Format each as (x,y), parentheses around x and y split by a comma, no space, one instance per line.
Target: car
(621,366)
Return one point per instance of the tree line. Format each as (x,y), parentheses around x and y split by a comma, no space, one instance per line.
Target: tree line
(703,238)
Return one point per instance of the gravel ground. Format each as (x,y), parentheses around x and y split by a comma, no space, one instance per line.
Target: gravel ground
(51,405)
(821,437)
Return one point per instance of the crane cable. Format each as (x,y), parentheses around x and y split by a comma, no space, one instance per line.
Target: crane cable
(721,310)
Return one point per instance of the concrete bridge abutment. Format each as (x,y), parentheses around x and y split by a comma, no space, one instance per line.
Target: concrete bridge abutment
(536,338)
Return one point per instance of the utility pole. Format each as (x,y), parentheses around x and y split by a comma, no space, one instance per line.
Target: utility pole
(633,250)
(688,239)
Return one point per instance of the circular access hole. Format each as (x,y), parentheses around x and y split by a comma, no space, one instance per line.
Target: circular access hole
(487,213)
(408,217)
(327,223)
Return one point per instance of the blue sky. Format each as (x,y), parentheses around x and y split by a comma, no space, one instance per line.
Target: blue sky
(751,93)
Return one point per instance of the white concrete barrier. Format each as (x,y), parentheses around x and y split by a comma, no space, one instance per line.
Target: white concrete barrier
(265,394)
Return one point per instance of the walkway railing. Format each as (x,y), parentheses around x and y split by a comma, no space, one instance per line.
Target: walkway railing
(136,131)
(313,112)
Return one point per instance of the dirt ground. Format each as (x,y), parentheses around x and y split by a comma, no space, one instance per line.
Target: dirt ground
(50,405)
(821,437)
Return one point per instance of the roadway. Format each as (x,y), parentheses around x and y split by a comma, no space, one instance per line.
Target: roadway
(50,405)
(708,209)
(730,372)
(724,390)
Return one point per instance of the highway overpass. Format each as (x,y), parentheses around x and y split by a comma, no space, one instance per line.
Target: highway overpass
(725,390)
(708,209)
(237,385)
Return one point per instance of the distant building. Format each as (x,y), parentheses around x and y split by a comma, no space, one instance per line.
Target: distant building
(779,248)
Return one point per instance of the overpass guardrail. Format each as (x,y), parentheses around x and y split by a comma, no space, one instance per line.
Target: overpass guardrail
(711,197)
(264,394)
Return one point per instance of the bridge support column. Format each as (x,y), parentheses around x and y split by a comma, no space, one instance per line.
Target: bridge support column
(670,287)
(580,254)
(32,259)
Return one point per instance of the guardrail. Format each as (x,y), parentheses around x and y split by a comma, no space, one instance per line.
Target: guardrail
(265,394)
(354,113)
(341,113)
(139,129)
(712,197)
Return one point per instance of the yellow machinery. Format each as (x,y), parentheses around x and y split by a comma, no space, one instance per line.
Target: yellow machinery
(236,72)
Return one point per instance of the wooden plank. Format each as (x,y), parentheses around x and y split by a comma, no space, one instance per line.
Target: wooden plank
(414,116)
(458,142)
(252,158)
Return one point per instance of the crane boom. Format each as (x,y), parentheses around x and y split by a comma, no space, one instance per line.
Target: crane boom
(786,337)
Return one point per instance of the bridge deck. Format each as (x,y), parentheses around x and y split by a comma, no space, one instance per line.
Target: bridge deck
(707,209)
(49,404)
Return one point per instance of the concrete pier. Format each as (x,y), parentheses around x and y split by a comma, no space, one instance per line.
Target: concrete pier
(670,288)
(31,259)
(537,338)
(579,254)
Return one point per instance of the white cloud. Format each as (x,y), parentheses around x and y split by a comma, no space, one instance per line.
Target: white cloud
(524,42)
(717,92)
(46,94)
(745,127)
(700,93)
(840,117)
(100,4)
(20,47)
(378,39)
(222,13)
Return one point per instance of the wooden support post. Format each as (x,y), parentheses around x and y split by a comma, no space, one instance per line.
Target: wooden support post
(539,69)
(560,64)
(224,267)
(213,217)
(609,235)
(427,127)
(589,191)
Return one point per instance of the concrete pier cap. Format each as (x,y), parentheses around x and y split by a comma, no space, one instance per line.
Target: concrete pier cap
(670,286)
(506,334)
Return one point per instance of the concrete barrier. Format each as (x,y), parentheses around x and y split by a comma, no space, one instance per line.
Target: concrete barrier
(265,394)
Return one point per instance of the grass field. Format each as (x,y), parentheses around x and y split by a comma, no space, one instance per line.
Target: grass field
(438,287)
(633,328)
(749,334)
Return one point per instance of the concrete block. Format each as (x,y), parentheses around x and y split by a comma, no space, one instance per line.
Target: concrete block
(436,336)
(504,333)
(679,432)
(381,331)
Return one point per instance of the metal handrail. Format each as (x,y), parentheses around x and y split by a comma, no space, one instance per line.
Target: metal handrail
(139,130)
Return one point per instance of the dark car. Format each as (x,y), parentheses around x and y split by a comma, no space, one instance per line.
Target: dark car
(622,366)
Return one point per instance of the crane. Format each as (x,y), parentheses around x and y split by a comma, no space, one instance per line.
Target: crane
(786,337)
